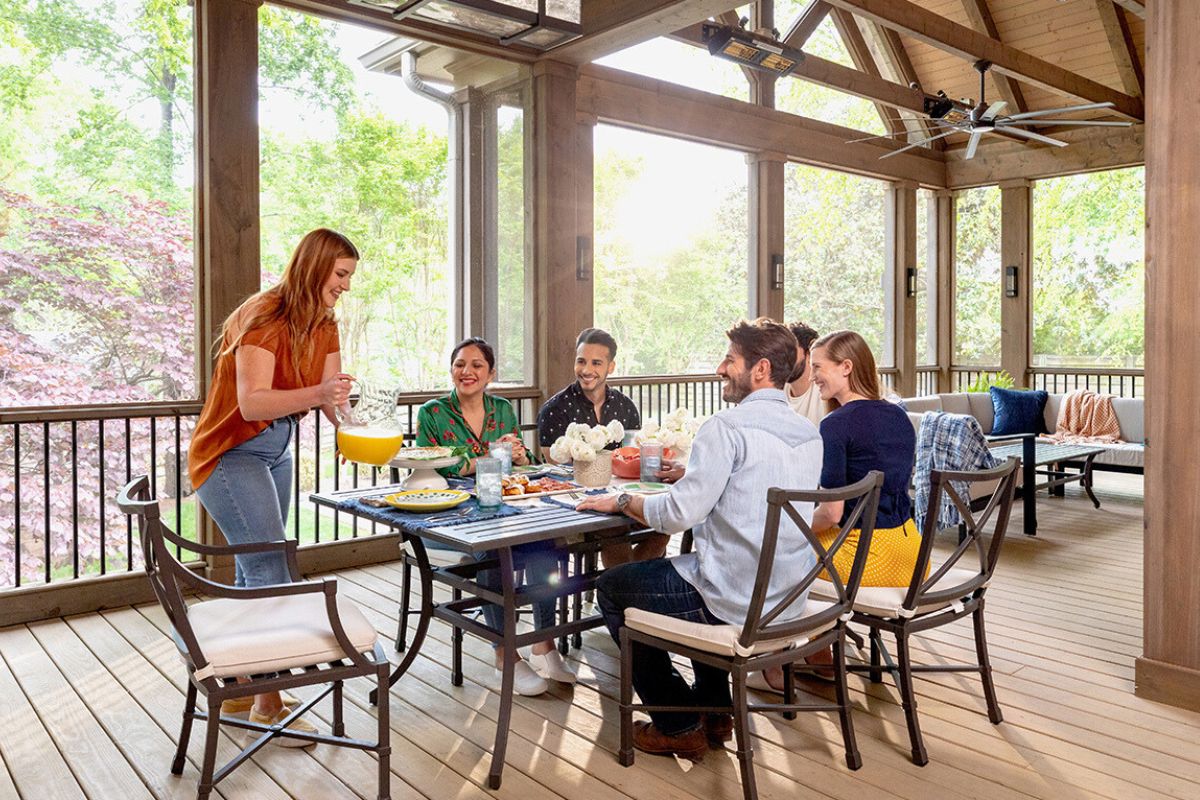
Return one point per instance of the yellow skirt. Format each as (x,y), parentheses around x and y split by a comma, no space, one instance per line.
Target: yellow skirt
(892,559)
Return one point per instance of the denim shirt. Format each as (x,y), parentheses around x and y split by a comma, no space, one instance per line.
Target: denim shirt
(738,455)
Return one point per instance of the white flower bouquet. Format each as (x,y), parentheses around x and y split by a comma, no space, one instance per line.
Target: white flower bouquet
(584,442)
(675,433)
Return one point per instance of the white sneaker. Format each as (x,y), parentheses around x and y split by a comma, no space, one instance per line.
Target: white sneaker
(526,682)
(552,667)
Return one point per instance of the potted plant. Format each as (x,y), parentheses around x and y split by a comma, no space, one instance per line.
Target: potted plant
(584,446)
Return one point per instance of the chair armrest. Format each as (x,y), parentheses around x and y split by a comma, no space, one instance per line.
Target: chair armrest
(215,589)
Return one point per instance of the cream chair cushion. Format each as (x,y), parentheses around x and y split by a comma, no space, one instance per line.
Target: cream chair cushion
(719,639)
(888,601)
(270,634)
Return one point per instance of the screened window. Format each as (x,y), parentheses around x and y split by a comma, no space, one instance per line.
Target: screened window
(926,278)
(1088,270)
(671,249)
(977,278)
(834,253)
(357,151)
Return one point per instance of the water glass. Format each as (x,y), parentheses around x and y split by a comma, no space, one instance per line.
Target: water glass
(502,451)
(651,455)
(488,490)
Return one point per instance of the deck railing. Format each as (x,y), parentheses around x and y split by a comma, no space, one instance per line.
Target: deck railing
(61,466)
(1119,382)
(657,395)
(927,380)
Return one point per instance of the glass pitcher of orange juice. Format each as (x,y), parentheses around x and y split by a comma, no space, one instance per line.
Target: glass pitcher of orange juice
(370,432)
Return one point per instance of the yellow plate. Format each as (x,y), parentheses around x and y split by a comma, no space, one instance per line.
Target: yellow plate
(427,499)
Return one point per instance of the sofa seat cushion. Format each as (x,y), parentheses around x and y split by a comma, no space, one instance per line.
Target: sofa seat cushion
(888,601)
(1123,454)
(719,639)
(272,634)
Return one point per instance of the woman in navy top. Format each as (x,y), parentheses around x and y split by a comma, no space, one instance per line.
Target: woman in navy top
(864,432)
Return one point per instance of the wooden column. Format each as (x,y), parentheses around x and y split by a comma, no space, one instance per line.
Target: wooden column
(228,266)
(943,222)
(901,242)
(766,235)
(562,251)
(1016,313)
(1169,669)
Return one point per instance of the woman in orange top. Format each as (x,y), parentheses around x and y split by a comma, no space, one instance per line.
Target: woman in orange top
(279,358)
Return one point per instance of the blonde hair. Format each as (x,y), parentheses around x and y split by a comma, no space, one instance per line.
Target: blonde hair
(842,346)
(296,299)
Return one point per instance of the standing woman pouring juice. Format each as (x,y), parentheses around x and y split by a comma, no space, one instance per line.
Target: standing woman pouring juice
(279,358)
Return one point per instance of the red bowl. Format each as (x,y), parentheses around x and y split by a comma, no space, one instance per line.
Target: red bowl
(627,462)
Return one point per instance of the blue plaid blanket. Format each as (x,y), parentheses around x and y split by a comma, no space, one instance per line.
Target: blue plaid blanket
(948,442)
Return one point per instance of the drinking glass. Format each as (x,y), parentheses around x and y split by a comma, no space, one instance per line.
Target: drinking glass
(651,455)
(487,482)
(502,451)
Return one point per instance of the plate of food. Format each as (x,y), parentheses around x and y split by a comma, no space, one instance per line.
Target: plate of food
(645,487)
(427,499)
(515,487)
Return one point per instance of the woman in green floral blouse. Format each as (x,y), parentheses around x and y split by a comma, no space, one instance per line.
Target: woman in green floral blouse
(470,417)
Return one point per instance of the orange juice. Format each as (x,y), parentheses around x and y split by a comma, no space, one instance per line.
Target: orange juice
(369,444)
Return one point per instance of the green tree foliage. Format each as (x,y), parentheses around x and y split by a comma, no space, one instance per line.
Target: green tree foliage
(977,255)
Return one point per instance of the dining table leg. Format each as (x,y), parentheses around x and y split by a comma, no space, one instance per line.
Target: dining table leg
(425,571)
(1029,489)
(508,642)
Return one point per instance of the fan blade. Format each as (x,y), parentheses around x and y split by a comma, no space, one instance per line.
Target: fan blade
(917,144)
(1063,110)
(1031,135)
(973,144)
(994,109)
(1103,123)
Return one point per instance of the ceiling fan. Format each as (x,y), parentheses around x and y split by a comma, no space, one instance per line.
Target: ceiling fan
(977,121)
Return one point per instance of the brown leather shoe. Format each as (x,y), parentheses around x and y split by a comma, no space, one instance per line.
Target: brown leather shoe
(691,745)
(718,728)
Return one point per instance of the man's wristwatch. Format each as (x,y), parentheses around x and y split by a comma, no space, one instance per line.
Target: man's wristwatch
(623,500)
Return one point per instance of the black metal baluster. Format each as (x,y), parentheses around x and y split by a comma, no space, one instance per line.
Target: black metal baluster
(296,481)
(128,478)
(179,485)
(75,498)
(154,458)
(17,499)
(337,480)
(46,493)
(103,516)
(354,485)
(317,478)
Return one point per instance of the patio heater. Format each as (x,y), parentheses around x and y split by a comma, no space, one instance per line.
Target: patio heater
(750,48)
(542,24)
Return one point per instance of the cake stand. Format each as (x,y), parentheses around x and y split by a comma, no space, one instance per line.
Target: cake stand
(424,475)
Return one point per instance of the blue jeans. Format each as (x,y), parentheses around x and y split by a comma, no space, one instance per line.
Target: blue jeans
(656,586)
(247,495)
(541,566)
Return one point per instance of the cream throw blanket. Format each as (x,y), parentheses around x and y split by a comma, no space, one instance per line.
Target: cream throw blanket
(1085,418)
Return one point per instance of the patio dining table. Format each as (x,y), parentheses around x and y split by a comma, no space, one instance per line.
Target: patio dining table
(539,520)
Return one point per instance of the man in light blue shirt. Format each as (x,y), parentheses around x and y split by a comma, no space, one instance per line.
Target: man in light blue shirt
(737,456)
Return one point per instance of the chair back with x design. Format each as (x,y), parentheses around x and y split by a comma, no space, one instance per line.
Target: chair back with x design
(863,498)
(921,591)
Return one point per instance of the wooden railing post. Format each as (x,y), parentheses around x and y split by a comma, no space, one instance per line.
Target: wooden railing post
(1016,311)
(901,243)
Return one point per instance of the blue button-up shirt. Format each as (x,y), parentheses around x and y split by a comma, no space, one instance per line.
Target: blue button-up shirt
(738,455)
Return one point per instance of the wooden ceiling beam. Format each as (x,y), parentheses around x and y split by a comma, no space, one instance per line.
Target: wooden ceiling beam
(981,17)
(806,24)
(944,34)
(1135,7)
(635,101)
(864,60)
(612,25)
(895,55)
(1089,150)
(835,76)
(1125,54)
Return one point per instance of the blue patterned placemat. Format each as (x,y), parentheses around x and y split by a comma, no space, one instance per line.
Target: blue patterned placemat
(429,519)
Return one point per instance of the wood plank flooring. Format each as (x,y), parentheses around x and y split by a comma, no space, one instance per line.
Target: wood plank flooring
(90,705)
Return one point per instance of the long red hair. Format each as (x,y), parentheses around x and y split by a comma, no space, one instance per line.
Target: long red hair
(849,346)
(296,299)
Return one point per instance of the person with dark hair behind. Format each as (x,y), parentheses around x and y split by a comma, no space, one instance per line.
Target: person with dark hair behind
(802,394)
(739,453)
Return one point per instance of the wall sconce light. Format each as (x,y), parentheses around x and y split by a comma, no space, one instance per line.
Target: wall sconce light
(910,281)
(1010,281)
(776,271)
(583,258)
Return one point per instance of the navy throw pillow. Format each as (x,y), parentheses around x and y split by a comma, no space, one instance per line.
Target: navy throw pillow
(1017,411)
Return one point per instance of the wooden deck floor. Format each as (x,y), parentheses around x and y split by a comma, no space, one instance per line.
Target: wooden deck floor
(89,705)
